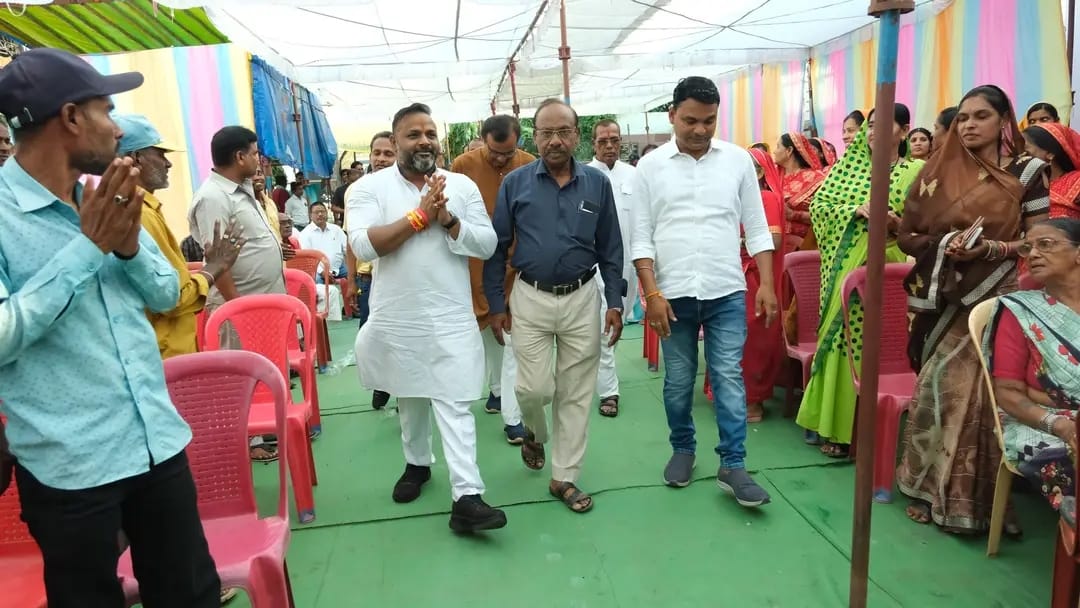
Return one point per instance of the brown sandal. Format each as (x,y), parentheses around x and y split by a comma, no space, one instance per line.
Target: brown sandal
(532,452)
(571,496)
(609,406)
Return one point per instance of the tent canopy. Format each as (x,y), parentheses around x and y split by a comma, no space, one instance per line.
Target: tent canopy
(367,58)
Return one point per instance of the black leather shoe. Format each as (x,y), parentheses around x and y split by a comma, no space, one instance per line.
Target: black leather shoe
(471,514)
(407,488)
(379,399)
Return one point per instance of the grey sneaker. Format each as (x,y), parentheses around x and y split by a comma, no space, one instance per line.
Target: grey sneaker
(739,484)
(679,469)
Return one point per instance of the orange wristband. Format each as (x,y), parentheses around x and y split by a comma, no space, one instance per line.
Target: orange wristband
(652,294)
(423,216)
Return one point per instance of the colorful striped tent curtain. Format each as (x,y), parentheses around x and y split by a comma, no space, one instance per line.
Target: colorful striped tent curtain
(761,103)
(1018,45)
(189,93)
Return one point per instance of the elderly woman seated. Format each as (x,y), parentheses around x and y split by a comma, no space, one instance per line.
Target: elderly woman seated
(1034,343)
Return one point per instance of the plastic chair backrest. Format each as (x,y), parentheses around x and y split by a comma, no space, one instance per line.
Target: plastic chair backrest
(978,319)
(299,284)
(308,260)
(894,317)
(262,323)
(213,392)
(13,531)
(803,272)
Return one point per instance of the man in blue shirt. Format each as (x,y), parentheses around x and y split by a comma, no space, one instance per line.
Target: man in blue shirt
(99,444)
(561,218)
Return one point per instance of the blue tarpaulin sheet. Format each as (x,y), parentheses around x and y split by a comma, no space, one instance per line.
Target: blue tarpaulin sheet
(272,96)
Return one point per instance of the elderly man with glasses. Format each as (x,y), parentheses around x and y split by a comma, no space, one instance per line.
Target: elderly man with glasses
(562,215)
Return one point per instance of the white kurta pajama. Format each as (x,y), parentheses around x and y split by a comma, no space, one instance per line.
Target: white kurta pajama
(622,184)
(421,342)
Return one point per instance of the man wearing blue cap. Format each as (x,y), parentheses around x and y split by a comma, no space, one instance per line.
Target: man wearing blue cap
(175,328)
(99,444)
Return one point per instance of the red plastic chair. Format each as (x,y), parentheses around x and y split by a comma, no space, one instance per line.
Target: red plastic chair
(214,392)
(20,558)
(802,281)
(308,260)
(299,285)
(262,322)
(896,381)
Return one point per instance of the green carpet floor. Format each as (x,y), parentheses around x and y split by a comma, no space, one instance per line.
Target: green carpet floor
(644,544)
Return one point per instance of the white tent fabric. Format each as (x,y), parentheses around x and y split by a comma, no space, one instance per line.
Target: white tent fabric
(367,58)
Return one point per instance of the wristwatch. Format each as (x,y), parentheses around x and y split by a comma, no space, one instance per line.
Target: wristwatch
(453,221)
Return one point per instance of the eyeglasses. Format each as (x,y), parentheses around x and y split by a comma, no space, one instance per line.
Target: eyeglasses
(614,141)
(503,155)
(1044,245)
(563,134)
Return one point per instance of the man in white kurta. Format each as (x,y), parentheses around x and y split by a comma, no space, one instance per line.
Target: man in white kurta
(421,342)
(607,141)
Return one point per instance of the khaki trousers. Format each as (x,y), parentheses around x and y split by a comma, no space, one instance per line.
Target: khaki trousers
(569,326)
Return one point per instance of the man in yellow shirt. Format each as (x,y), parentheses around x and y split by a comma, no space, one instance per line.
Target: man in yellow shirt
(175,329)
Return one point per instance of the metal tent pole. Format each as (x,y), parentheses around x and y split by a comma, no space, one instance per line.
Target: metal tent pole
(564,53)
(888,12)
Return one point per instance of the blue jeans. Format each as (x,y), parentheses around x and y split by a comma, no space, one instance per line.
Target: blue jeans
(724,320)
(363,291)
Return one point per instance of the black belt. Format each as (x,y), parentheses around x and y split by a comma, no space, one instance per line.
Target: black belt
(560,290)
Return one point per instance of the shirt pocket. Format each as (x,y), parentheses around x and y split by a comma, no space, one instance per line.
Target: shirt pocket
(583,224)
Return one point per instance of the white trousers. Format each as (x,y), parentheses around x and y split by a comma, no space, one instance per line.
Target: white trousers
(502,371)
(607,378)
(458,429)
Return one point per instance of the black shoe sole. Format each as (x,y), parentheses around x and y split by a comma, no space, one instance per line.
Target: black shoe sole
(464,526)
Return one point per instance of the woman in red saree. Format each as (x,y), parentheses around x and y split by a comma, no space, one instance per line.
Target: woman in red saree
(1059,146)
(763,354)
(803,174)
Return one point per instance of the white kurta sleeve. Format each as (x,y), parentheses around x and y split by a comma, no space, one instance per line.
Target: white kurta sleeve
(476,238)
(363,210)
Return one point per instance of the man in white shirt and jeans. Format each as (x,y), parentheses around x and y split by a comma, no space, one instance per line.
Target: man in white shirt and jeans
(607,142)
(691,197)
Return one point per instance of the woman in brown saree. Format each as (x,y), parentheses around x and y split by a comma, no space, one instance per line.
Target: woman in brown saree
(979,174)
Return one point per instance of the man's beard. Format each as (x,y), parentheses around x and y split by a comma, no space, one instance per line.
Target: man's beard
(92,163)
(423,161)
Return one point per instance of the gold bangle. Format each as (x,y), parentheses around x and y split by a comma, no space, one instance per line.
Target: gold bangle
(653,294)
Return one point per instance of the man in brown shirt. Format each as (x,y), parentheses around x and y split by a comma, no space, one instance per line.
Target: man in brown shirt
(487,166)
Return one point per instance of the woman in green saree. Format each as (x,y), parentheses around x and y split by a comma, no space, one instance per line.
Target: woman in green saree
(839,213)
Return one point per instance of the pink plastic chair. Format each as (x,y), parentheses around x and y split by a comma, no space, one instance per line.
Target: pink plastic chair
(308,261)
(802,280)
(896,381)
(262,322)
(20,559)
(299,285)
(213,392)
